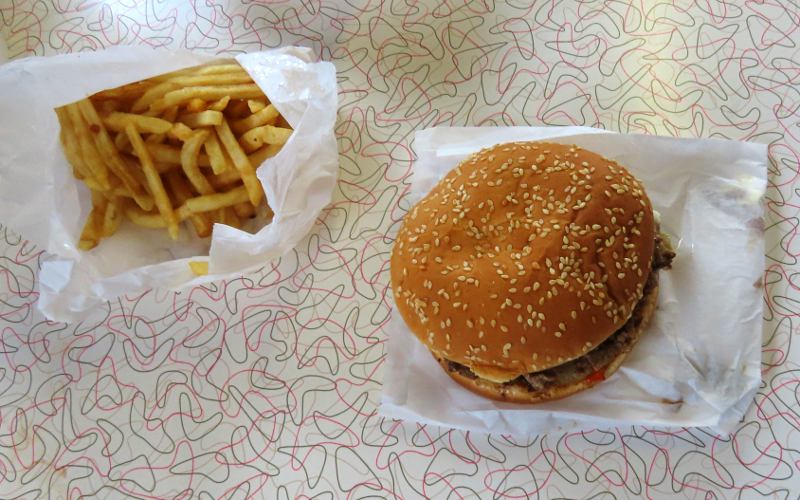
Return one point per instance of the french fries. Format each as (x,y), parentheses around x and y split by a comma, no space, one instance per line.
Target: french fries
(198,268)
(180,147)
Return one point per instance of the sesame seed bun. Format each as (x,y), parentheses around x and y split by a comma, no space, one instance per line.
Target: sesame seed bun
(524,257)
(522,393)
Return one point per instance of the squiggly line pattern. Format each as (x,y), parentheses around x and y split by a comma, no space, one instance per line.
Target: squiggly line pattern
(267,385)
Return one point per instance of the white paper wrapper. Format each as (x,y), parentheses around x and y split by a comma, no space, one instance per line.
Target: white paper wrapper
(40,198)
(699,362)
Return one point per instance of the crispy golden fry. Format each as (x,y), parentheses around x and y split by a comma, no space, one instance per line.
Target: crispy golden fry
(152,94)
(245,210)
(220,104)
(92,229)
(219,161)
(180,132)
(169,115)
(90,235)
(118,121)
(241,162)
(139,217)
(198,267)
(180,96)
(267,134)
(207,118)
(231,78)
(121,142)
(107,107)
(112,217)
(209,202)
(189,153)
(213,68)
(268,151)
(231,176)
(69,142)
(182,191)
(154,181)
(111,156)
(256,105)
(168,154)
(196,105)
(226,179)
(86,147)
(266,116)
(124,93)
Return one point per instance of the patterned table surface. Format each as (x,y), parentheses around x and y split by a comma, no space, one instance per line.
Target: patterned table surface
(268,385)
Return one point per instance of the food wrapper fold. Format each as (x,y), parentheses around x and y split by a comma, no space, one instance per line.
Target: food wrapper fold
(698,363)
(40,199)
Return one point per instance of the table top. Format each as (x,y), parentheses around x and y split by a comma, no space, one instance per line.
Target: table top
(268,385)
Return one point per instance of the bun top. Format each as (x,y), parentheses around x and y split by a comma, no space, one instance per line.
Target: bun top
(525,256)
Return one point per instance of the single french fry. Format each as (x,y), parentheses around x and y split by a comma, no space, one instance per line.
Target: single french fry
(69,142)
(266,116)
(139,217)
(154,181)
(121,142)
(231,176)
(225,180)
(230,78)
(215,67)
(198,267)
(219,162)
(107,106)
(90,235)
(220,104)
(134,164)
(182,192)
(117,121)
(241,162)
(92,158)
(180,96)
(207,118)
(112,217)
(180,132)
(245,210)
(124,93)
(152,94)
(189,152)
(256,105)
(111,156)
(268,151)
(266,134)
(206,203)
(92,229)
(196,105)
(169,114)
(166,153)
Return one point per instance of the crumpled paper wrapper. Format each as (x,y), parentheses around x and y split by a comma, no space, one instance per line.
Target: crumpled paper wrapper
(41,200)
(699,362)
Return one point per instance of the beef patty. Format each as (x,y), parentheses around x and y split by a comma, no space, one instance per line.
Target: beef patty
(598,358)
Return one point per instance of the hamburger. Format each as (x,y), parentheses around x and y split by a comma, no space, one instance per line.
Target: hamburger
(531,270)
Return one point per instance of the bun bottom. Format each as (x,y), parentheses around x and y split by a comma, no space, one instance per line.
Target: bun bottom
(523,394)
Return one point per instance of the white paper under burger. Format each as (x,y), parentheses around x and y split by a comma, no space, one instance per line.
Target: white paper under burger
(41,200)
(699,362)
